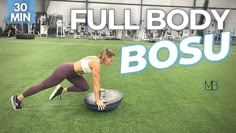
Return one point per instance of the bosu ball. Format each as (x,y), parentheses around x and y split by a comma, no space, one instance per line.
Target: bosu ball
(112,99)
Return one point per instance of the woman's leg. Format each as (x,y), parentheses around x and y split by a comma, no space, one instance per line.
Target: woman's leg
(80,84)
(54,79)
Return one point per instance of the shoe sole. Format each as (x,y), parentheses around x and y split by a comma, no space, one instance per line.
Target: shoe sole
(54,92)
(12,102)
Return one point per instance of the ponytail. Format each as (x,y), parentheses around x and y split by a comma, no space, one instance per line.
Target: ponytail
(105,52)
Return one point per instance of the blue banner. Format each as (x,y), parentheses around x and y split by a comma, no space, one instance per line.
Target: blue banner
(20,11)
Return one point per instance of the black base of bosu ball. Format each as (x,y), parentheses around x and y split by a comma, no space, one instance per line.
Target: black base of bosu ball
(112,99)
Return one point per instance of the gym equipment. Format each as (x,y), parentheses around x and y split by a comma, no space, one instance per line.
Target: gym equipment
(24,36)
(43,25)
(60,28)
(112,99)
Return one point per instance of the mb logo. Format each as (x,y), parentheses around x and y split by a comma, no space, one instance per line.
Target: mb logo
(211,84)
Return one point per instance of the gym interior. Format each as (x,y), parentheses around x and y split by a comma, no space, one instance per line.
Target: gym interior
(197,98)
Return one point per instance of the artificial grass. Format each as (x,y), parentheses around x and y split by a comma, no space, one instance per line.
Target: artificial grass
(171,100)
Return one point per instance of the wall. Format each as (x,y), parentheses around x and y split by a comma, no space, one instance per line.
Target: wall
(2,13)
(41,5)
(231,22)
(63,8)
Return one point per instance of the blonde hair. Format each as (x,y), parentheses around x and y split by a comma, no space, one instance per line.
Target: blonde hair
(105,52)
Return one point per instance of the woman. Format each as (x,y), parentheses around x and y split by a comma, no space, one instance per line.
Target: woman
(72,72)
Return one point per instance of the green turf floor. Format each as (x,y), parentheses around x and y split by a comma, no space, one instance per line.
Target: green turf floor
(172,100)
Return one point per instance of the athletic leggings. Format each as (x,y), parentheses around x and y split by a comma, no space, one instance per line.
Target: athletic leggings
(64,71)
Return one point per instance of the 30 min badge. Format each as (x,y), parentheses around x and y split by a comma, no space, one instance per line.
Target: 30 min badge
(20,11)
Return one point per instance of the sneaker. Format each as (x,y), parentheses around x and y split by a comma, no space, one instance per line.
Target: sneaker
(16,104)
(57,92)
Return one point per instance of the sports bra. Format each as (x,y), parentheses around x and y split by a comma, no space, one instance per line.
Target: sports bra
(85,65)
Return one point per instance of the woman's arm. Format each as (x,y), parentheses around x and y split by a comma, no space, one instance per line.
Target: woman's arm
(96,84)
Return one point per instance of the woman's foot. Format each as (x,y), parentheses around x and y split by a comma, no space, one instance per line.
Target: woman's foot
(16,104)
(57,92)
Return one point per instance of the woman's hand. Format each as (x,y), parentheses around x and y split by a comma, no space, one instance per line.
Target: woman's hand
(101,105)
